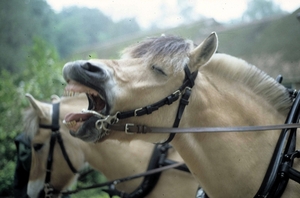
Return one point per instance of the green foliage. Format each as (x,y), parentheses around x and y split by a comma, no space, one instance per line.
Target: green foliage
(90,179)
(9,126)
(19,21)
(42,78)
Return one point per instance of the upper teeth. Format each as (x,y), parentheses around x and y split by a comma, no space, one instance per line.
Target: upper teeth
(70,93)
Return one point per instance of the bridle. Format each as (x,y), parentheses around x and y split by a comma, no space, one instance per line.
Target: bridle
(157,164)
(107,123)
(49,190)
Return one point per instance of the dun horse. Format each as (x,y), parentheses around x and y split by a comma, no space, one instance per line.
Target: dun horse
(114,159)
(167,82)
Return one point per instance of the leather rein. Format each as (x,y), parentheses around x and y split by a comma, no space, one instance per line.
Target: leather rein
(157,164)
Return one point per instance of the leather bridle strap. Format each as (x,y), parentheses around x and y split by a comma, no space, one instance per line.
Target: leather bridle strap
(55,135)
(54,127)
(131,128)
(188,82)
(50,157)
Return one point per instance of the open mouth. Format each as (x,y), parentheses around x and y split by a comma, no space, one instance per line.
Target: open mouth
(97,105)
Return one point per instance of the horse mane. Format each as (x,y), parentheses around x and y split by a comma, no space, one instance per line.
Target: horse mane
(258,81)
(167,51)
(173,51)
(31,122)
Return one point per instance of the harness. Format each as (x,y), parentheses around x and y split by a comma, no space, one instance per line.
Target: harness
(157,164)
(280,168)
(158,159)
(49,190)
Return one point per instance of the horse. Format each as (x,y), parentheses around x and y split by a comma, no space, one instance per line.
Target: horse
(169,85)
(114,159)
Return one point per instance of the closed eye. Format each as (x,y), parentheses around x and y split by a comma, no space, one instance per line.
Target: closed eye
(159,70)
(37,147)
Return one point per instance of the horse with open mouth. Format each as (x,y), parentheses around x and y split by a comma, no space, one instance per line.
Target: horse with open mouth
(57,157)
(167,85)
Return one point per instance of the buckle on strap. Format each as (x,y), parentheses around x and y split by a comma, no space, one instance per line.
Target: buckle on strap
(130,129)
(127,125)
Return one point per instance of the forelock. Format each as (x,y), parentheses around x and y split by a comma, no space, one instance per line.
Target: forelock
(163,50)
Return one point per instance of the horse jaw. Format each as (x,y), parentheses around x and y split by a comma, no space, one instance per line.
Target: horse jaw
(34,188)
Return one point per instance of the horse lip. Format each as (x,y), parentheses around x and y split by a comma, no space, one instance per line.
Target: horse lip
(73,72)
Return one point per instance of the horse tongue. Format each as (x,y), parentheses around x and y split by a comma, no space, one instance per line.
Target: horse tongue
(78,117)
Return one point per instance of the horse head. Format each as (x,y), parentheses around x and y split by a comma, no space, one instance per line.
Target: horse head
(43,124)
(146,73)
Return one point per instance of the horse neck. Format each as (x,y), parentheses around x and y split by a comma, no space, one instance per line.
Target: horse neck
(116,160)
(221,103)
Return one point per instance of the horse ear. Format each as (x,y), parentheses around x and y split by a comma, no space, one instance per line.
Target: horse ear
(38,106)
(203,52)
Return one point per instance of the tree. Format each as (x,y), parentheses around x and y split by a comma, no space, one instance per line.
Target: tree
(259,9)
(20,21)
(42,78)
(78,27)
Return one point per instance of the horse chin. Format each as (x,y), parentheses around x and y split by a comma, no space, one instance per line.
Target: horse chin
(88,132)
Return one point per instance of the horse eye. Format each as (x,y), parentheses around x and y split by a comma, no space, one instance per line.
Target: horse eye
(159,70)
(37,147)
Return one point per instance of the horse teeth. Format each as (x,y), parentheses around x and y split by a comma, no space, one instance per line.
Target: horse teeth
(70,93)
(70,124)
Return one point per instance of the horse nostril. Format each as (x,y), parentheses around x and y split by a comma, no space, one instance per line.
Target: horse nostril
(90,67)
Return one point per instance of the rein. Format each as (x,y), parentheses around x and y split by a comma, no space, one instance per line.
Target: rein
(106,123)
(115,182)
(55,136)
(159,164)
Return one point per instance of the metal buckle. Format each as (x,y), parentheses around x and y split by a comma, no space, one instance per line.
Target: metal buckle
(127,125)
(186,89)
(48,189)
(177,92)
(102,124)
(135,114)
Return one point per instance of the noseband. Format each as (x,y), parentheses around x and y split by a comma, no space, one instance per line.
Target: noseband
(107,123)
(55,136)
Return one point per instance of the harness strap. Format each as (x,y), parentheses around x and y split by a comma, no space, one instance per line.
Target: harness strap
(48,188)
(64,152)
(277,175)
(287,171)
(189,78)
(50,157)
(150,172)
(188,82)
(54,128)
(149,181)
